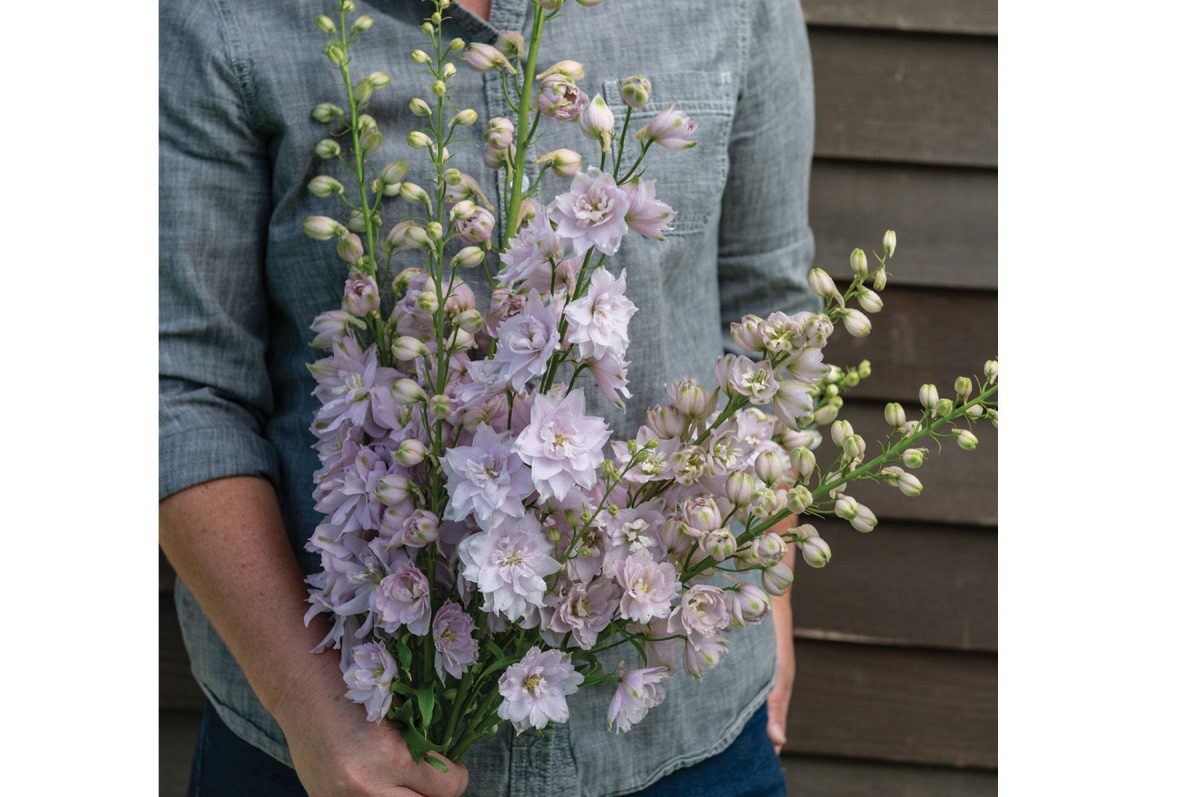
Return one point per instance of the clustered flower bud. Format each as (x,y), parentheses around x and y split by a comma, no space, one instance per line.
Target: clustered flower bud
(821,283)
(635,91)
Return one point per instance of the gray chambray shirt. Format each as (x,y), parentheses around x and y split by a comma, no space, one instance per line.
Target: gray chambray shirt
(240,283)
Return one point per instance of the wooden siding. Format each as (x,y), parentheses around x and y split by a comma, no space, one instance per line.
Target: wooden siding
(896,638)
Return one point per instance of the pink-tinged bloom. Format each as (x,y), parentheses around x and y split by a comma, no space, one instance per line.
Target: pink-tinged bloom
(702,654)
(369,677)
(596,121)
(402,600)
(525,343)
(509,565)
(454,644)
(652,464)
(487,479)
(535,689)
(747,604)
(483,57)
(647,216)
(592,212)
(754,380)
(671,128)
(503,305)
(599,320)
(333,325)
(648,587)
(793,404)
(354,389)
(612,377)
(807,365)
(562,445)
(499,133)
(361,296)
(702,611)
(585,610)
(477,227)
(561,99)
(638,692)
(534,245)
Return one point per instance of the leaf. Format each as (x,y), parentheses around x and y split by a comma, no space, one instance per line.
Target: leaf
(437,764)
(418,745)
(404,654)
(425,701)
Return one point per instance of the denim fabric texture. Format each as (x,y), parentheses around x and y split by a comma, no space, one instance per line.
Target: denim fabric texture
(240,283)
(226,766)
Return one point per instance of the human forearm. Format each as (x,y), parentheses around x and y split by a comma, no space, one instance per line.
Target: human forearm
(225,539)
(785,656)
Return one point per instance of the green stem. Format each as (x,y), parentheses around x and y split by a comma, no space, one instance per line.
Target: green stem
(514,198)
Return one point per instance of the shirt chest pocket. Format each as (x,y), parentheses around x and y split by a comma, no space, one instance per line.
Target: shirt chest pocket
(691,181)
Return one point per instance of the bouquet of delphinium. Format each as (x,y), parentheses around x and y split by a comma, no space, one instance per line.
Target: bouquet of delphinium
(483,537)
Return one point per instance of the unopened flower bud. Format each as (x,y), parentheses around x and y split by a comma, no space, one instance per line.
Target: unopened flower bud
(438,87)
(323,186)
(483,57)
(336,54)
(327,148)
(821,283)
(720,544)
(967,440)
(322,228)
(511,43)
(739,488)
(975,411)
(449,71)
(427,301)
(452,176)
(904,481)
(407,348)
(463,210)
(880,281)
(411,452)
(572,70)
(407,391)
(665,421)
(597,121)
(768,466)
(864,369)
(962,388)
(747,604)
(419,107)
(564,162)
(799,499)
(991,370)
(326,24)
(550,5)
(928,395)
(434,230)
(913,457)
(361,296)
(419,140)
(466,117)
(826,414)
(856,323)
(690,398)
(467,257)
(846,508)
(855,447)
(326,112)
(864,520)
(420,57)
(893,413)
(393,489)
(471,320)
(804,461)
(405,235)
(943,408)
(362,23)
(839,431)
(439,406)
(858,263)
(815,552)
(635,91)
(889,243)
(394,172)
(765,502)
(869,300)
(378,79)
(777,578)
(350,248)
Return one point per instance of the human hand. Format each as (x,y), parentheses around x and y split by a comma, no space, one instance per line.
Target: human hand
(785,672)
(338,753)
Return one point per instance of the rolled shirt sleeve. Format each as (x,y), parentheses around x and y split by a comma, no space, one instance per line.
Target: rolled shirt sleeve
(214,204)
(766,245)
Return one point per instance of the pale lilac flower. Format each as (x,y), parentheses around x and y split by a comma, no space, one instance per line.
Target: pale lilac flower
(369,677)
(702,611)
(629,531)
(483,57)
(561,99)
(454,643)
(703,653)
(348,497)
(638,692)
(754,380)
(402,600)
(487,479)
(477,227)
(612,377)
(361,297)
(671,128)
(535,689)
(747,604)
(585,610)
(648,587)
(596,122)
(509,565)
(353,388)
(499,133)
(793,404)
(652,464)
(647,215)
(534,245)
(332,325)
(562,444)
(599,320)
(525,343)
(807,365)
(503,305)
(592,212)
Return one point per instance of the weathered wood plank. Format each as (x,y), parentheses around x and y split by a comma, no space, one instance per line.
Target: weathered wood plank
(177,688)
(960,486)
(945,219)
(177,734)
(830,777)
(908,97)
(974,17)
(908,584)
(922,335)
(892,704)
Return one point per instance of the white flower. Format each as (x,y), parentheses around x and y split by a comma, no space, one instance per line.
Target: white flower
(638,692)
(600,320)
(648,587)
(562,445)
(509,564)
(535,689)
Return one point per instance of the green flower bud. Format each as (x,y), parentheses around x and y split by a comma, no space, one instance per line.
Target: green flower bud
(336,54)
(865,520)
(406,391)
(439,406)
(347,6)
(869,300)
(411,192)
(858,263)
(467,257)
(804,461)
(326,24)
(855,447)
(799,499)
(411,452)
(880,279)
(407,348)
(327,148)
(427,301)
(322,228)
(457,44)
(967,441)
(452,176)
(394,172)
(991,369)
(421,57)
(943,408)
(962,388)
(893,413)
(324,185)
(438,87)
(434,230)
(913,458)
(326,112)
(815,552)
(825,414)
(428,29)
(418,140)
(928,396)
(839,431)
(419,107)
(361,24)
(470,320)
(856,323)
(466,117)
(846,508)
(821,283)
(378,79)
(864,369)
(889,243)
(449,71)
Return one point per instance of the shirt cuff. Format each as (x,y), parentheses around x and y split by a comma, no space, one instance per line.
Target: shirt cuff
(195,456)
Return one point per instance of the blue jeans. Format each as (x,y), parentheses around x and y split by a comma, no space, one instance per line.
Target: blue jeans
(226,766)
